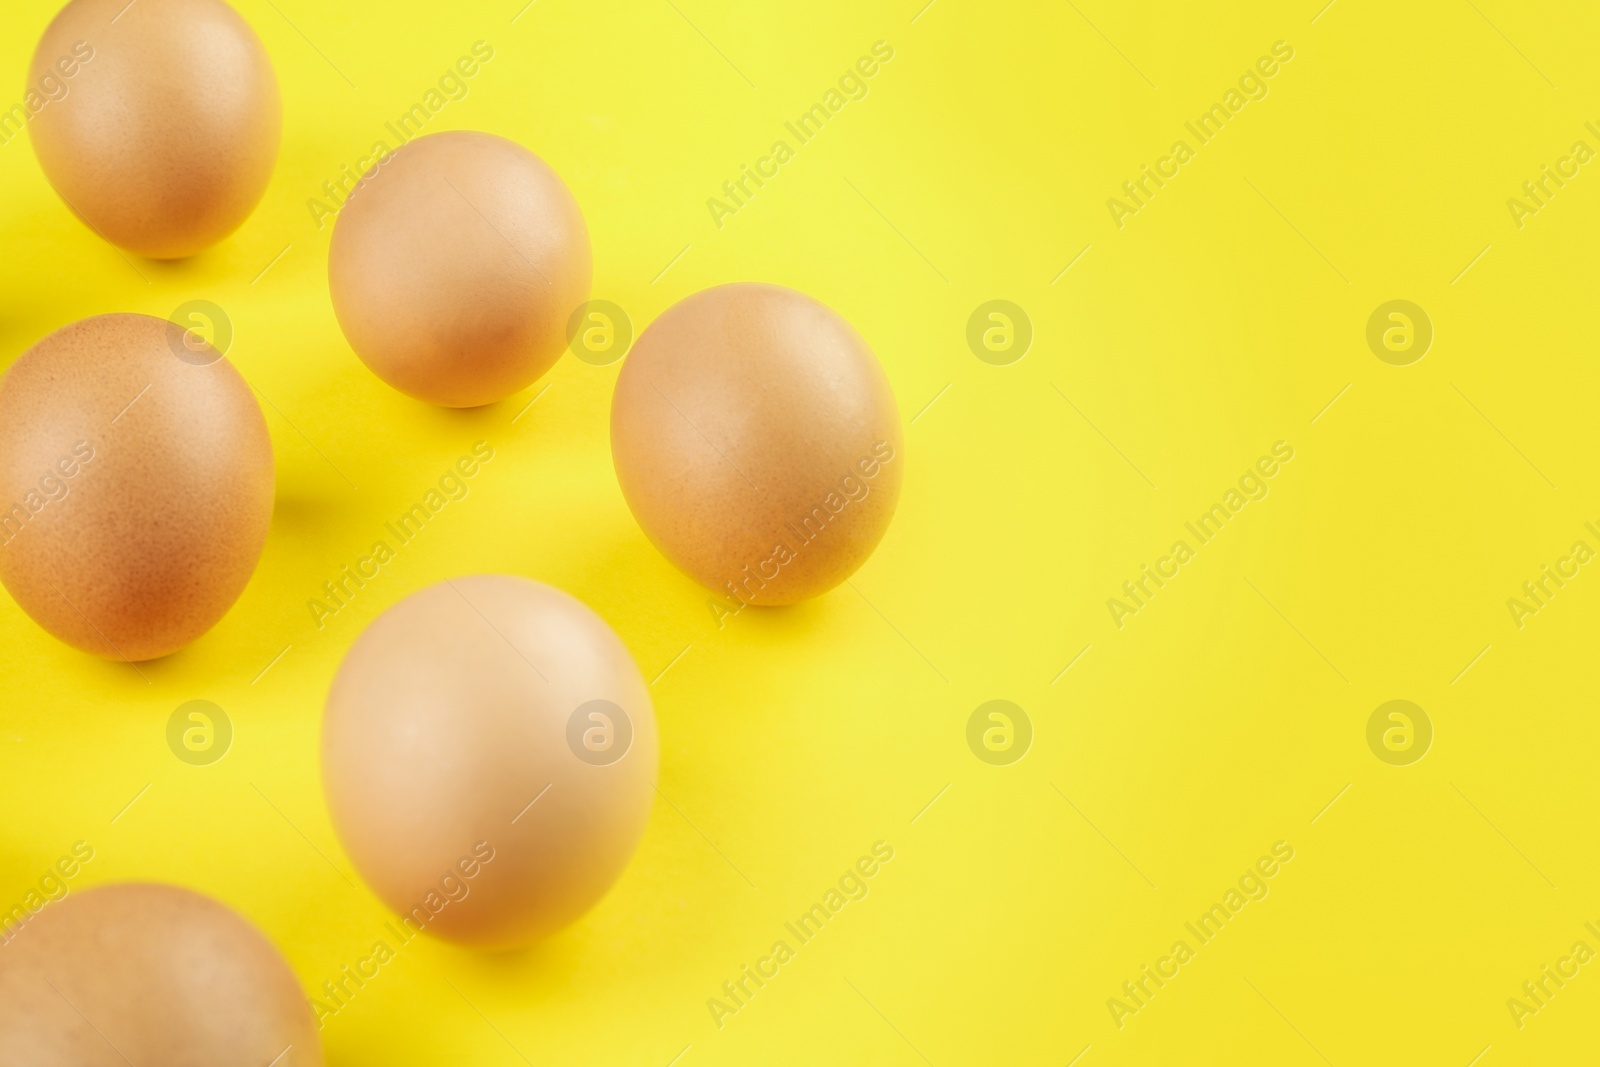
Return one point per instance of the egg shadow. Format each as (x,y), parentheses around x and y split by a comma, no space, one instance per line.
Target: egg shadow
(552,962)
(485,421)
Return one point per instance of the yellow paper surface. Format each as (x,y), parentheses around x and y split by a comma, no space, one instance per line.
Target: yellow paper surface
(1172,347)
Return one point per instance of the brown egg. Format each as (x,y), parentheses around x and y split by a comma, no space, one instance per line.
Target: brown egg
(455,266)
(758,443)
(149,974)
(489,757)
(136,485)
(156,121)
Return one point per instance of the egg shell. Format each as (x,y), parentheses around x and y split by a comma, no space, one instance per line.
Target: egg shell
(757,442)
(135,486)
(455,266)
(149,974)
(160,120)
(451,758)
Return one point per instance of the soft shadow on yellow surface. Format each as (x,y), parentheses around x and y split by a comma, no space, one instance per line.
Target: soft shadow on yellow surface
(1179,733)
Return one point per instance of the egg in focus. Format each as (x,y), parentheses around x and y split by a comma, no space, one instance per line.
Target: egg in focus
(489,758)
(149,974)
(157,122)
(136,485)
(757,442)
(455,266)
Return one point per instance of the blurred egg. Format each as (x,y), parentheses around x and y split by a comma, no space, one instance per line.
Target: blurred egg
(757,442)
(156,121)
(149,974)
(136,483)
(489,757)
(455,266)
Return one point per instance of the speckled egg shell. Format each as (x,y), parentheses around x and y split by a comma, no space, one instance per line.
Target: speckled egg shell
(757,441)
(135,486)
(149,974)
(159,120)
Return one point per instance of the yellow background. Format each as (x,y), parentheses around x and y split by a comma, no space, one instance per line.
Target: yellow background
(1222,718)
